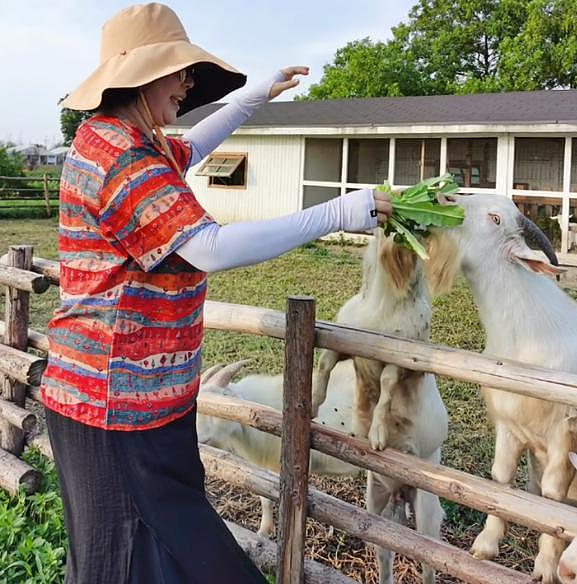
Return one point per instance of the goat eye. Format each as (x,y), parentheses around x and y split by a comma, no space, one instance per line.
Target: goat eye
(495,218)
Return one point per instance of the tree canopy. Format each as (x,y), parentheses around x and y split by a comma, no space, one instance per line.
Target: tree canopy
(69,122)
(10,164)
(461,46)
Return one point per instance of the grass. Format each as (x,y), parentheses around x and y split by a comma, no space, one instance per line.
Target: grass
(330,273)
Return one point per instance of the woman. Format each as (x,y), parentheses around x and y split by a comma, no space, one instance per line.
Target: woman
(135,247)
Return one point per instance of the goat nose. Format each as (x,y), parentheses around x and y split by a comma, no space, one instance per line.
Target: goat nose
(566,573)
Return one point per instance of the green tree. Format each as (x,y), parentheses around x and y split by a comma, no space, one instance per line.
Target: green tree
(461,46)
(10,165)
(69,122)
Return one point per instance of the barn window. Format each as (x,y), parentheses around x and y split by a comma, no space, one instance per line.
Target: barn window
(539,164)
(473,162)
(416,159)
(368,160)
(323,159)
(225,170)
(574,166)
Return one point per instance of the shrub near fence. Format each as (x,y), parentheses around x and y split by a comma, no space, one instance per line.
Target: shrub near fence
(21,192)
(302,333)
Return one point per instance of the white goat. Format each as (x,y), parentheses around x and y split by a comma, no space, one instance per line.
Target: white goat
(393,298)
(261,448)
(528,318)
(567,569)
(336,412)
(393,406)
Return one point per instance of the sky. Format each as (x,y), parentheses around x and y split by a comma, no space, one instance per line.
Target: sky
(47,47)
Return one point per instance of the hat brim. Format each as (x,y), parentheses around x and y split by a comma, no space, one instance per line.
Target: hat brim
(213,78)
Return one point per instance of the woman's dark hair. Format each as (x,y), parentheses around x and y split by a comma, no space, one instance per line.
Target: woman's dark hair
(117,97)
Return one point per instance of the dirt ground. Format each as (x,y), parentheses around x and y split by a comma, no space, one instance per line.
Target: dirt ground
(350,555)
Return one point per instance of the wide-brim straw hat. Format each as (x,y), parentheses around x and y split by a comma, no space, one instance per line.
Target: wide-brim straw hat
(146,42)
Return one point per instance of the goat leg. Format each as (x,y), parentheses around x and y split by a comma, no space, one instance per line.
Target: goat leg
(327,362)
(557,476)
(378,433)
(429,516)
(266,527)
(508,450)
(381,500)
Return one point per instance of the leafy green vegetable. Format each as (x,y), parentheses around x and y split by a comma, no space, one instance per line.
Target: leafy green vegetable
(416,209)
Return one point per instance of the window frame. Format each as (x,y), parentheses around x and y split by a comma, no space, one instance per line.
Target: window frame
(238,159)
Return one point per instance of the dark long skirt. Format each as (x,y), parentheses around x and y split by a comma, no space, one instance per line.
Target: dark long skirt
(136,511)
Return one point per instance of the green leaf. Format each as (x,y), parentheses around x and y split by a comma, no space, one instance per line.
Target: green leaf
(385,187)
(417,208)
(411,241)
(430,213)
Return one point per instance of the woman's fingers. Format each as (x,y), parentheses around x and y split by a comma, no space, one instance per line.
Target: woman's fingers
(383,206)
(289,83)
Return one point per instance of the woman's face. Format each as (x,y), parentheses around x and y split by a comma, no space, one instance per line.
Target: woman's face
(165,94)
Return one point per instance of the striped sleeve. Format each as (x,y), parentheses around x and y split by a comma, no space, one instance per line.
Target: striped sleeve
(147,208)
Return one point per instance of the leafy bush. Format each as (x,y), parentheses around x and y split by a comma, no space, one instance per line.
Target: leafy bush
(32,536)
(10,165)
(550,227)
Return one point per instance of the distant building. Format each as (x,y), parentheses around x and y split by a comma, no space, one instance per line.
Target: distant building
(34,154)
(291,155)
(38,155)
(56,156)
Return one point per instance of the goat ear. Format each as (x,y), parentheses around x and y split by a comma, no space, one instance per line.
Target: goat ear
(573,459)
(443,263)
(399,262)
(532,260)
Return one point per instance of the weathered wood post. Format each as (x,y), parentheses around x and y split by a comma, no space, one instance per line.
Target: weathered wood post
(294,472)
(16,335)
(47,196)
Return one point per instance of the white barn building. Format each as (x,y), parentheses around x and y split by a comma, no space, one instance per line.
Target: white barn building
(291,155)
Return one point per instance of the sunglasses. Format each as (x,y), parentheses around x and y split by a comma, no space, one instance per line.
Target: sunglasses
(186,76)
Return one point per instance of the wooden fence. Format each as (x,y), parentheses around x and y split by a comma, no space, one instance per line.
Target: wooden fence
(302,333)
(19,197)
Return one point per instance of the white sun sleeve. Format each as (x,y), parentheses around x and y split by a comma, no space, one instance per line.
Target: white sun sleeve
(210,132)
(215,248)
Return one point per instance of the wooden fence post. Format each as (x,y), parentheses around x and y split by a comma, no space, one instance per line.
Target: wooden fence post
(299,353)
(47,196)
(16,335)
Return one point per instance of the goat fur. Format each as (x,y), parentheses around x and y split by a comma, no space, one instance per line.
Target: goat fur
(336,412)
(527,318)
(389,400)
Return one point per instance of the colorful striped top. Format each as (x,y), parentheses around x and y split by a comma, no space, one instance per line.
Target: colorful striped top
(125,342)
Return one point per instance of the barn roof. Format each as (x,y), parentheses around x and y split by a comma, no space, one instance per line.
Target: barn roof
(520,107)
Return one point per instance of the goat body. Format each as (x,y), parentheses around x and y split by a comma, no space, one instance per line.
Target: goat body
(527,318)
(336,412)
(392,406)
(264,449)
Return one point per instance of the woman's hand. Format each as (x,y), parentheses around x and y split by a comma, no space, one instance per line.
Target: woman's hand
(289,72)
(383,206)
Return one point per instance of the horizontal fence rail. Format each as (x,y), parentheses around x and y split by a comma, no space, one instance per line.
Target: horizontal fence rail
(508,375)
(503,374)
(366,526)
(13,196)
(23,279)
(543,515)
(21,366)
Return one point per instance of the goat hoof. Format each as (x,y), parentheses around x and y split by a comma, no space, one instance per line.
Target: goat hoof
(484,548)
(267,533)
(378,436)
(545,571)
